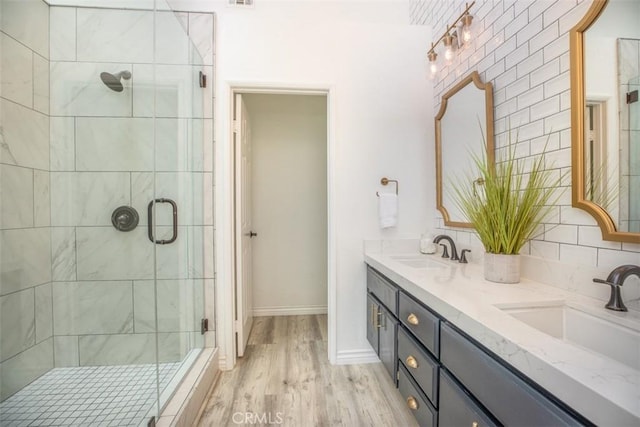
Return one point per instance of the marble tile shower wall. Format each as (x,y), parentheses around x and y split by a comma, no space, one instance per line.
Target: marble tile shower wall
(522,48)
(105,146)
(26,335)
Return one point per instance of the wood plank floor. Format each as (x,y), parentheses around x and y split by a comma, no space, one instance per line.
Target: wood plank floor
(285,379)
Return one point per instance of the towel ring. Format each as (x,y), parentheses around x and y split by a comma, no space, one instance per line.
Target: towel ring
(386,181)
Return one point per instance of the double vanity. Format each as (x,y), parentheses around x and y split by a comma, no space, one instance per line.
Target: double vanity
(465,351)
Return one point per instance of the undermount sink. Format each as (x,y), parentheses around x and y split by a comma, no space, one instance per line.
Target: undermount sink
(582,329)
(417,261)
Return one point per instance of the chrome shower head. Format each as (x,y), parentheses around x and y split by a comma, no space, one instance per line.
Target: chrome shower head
(113,81)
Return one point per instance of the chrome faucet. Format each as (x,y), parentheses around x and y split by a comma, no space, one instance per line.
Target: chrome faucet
(616,279)
(454,253)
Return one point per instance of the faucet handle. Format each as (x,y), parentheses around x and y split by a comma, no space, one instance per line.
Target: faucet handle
(615,299)
(445,252)
(463,256)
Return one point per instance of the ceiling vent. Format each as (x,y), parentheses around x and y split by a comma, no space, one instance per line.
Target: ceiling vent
(241,3)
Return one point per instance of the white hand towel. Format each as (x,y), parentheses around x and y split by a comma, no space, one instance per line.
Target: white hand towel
(388,209)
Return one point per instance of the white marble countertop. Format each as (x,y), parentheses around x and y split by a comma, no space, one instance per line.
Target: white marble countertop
(603,390)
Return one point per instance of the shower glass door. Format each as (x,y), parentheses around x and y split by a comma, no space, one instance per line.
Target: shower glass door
(101,280)
(181,108)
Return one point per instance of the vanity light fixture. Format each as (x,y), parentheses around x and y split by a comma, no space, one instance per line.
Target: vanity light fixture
(433,65)
(450,42)
(467,28)
(450,39)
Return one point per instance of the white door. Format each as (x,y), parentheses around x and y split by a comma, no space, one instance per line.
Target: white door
(244,232)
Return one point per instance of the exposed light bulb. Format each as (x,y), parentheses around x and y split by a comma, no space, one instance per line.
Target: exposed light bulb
(448,54)
(450,42)
(466,35)
(467,29)
(433,65)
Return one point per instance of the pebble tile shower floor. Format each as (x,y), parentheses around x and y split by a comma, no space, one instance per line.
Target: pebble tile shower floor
(88,396)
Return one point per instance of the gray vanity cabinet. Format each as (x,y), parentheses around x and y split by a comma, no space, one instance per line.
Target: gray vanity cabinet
(382,324)
(446,378)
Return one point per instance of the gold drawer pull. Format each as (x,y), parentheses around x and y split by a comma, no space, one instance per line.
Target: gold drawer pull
(412,319)
(474,424)
(412,403)
(412,362)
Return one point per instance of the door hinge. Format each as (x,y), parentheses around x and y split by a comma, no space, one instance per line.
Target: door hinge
(632,97)
(204,326)
(203,79)
(236,126)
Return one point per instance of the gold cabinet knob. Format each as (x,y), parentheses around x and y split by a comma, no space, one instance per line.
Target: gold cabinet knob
(474,424)
(412,319)
(412,403)
(411,362)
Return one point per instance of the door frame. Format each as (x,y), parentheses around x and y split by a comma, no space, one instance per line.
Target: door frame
(225,215)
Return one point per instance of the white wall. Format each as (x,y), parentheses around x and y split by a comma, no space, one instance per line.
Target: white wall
(523,49)
(289,203)
(373,63)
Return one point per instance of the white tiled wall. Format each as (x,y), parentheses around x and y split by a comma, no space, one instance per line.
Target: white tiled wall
(523,49)
(73,291)
(105,146)
(26,343)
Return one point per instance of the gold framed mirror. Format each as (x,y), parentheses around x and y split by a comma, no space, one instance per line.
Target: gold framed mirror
(465,118)
(605,165)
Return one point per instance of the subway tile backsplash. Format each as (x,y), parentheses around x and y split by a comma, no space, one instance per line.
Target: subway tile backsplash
(523,49)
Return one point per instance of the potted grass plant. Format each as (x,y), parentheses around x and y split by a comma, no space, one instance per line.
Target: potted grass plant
(506,203)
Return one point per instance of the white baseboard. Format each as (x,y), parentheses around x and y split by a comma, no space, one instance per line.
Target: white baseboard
(290,311)
(355,357)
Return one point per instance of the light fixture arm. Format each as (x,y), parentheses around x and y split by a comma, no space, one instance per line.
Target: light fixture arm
(452,26)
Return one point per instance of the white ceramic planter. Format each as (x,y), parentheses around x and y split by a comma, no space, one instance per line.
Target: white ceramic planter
(502,268)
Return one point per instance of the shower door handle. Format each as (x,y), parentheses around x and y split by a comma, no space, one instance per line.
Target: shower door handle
(150,221)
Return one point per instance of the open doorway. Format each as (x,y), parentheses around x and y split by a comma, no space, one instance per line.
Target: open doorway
(281,223)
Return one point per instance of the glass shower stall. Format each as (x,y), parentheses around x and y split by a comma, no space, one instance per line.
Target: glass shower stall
(106,224)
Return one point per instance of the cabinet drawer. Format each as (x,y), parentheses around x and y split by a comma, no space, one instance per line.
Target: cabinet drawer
(422,410)
(383,290)
(421,322)
(419,364)
(508,397)
(457,408)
